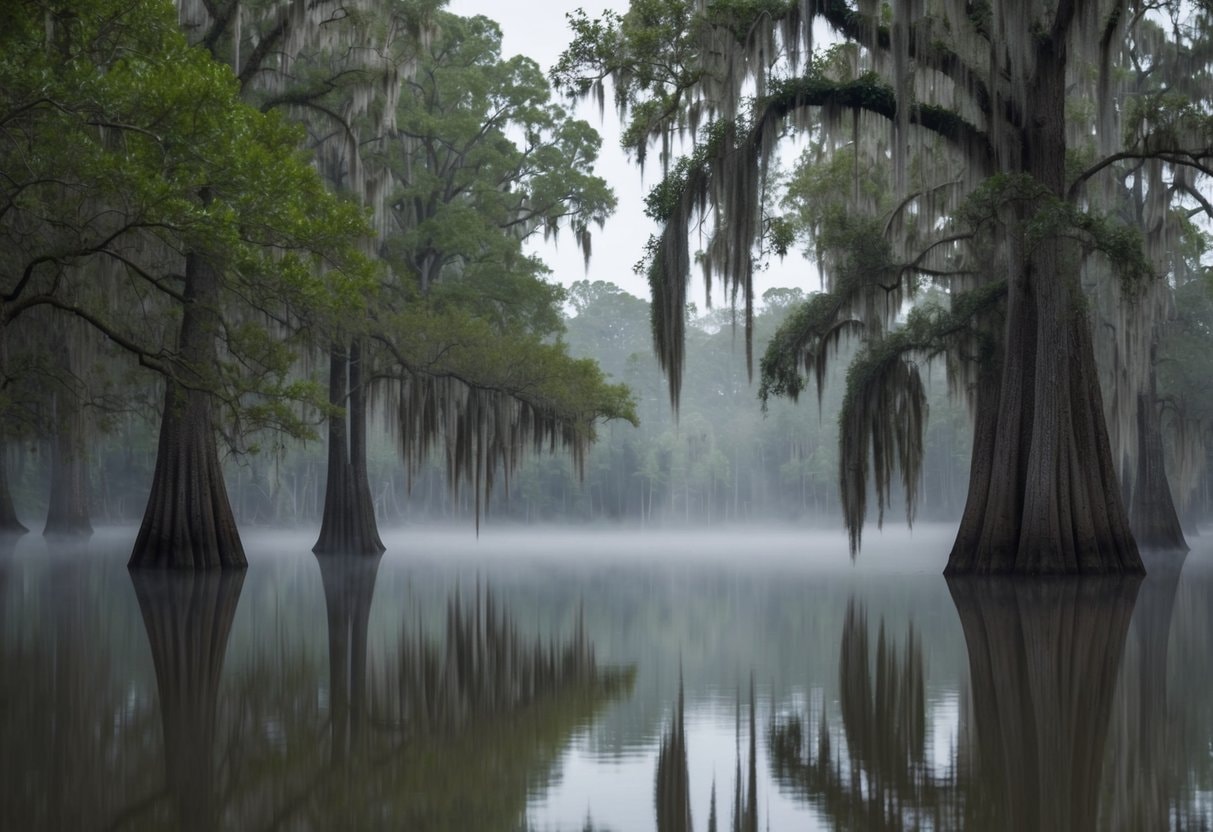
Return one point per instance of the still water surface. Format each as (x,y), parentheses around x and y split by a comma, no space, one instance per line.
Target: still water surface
(579,680)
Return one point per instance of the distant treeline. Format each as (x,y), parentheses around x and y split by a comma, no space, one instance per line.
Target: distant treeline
(721,460)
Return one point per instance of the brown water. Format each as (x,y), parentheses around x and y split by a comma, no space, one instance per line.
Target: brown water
(600,680)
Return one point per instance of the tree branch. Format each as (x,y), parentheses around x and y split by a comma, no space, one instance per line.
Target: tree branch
(152,360)
(853,26)
(869,92)
(1184,157)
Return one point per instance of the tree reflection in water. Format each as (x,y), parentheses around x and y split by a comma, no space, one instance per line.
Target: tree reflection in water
(1044,656)
(188,617)
(450,715)
(76,743)
(673,790)
(1144,780)
(452,732)
(880,780)
(449,733)
(349,587)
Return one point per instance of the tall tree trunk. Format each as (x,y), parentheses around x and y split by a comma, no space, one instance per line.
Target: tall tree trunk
(188,619)
(68,510)
(1152,511)
(9,524)
(348,524)
(1044,495)
(188,523)
(1044,657)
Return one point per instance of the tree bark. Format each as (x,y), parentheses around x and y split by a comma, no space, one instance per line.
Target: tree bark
(348,524)
(9,524)
(1044,496)
(68,510)
(1152,512)
(1044,657)
(188,523)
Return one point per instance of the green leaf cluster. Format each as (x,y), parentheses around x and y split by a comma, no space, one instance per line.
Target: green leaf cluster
(123,149)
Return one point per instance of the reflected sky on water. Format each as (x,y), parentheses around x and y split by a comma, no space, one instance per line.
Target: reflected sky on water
(600,680)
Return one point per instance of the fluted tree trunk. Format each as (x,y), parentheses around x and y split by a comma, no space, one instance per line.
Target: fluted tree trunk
(1044,496)
(348,524)
(189,523)
(1044,493)
(1152,510)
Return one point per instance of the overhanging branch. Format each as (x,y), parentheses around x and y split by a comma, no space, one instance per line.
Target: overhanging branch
(1198,160)
(871,94)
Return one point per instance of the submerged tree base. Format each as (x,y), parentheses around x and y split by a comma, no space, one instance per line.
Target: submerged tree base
(1152,511)
(1044,497)
(188,523)
(348,526)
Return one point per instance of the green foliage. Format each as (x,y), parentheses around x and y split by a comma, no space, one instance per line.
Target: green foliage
(802,339)
(663,199)
(653,54)
(124,148)
(722,460)
(453,344)
(817,185)
(1042,215)
(1166,121)
(484,159)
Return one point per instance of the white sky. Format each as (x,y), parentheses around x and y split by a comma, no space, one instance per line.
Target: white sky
(539,30)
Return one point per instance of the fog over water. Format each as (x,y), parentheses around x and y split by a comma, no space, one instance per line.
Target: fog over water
(529,679)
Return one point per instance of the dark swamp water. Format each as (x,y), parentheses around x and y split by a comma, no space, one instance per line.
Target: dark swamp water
(584,680)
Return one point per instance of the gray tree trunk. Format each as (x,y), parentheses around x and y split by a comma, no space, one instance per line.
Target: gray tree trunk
(188,523)
(68,509)
(9,524)
(348,523)
(1152,511)
(1044,496)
